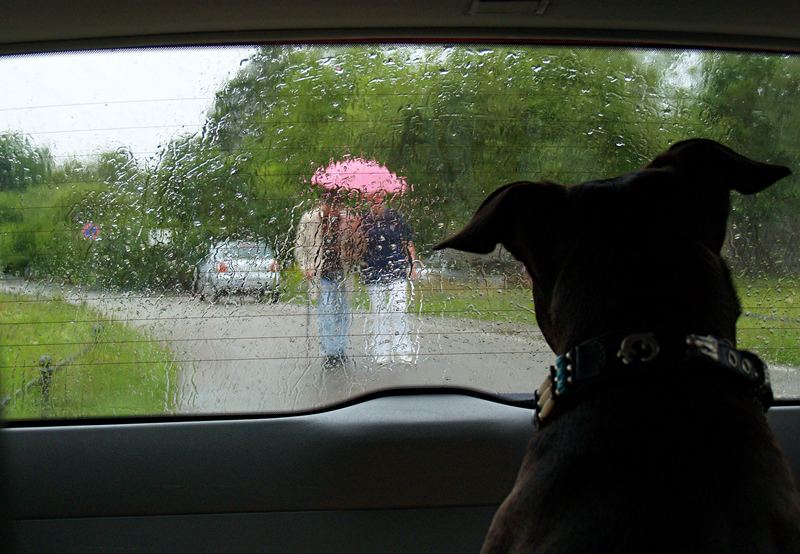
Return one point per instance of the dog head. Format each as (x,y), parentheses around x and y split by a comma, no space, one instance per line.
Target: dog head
(637,252)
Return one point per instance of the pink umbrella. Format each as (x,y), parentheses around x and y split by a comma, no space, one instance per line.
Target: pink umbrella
(365,176)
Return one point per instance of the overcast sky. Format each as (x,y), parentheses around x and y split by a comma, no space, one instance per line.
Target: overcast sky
(82,104)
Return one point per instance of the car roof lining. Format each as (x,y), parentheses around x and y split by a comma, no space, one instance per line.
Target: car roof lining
(90,24)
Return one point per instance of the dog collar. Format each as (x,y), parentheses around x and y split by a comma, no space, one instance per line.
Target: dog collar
(618,356)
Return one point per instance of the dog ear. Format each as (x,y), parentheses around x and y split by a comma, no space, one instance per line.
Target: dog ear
(712,162)
(505,217)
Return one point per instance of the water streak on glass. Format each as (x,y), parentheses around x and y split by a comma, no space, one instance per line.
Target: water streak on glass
(176,253)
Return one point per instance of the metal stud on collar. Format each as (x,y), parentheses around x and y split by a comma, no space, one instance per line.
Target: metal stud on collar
(587,364)
(744,363)
(638,347)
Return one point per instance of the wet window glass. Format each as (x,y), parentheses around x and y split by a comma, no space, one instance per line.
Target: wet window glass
(251,250)
(250,229)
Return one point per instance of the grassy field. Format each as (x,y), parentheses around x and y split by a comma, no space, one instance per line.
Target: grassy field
(478,300)
(770,325)
(109,369)
(441,297)
(101,368)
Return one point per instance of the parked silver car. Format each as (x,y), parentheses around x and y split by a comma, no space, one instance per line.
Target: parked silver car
(244,267)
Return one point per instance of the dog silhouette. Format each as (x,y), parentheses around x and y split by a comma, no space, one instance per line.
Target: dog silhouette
(651,435)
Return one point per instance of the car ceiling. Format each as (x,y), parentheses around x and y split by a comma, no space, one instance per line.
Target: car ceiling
(40,25)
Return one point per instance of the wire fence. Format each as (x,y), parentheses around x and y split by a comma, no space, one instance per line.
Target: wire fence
(47,369)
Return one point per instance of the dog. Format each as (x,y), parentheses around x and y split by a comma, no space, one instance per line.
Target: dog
(651,435)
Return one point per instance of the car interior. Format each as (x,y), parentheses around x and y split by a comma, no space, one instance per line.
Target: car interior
(142,416)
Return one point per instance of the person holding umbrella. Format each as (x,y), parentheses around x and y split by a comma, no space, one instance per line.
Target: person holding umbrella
(386,245)
(324,249)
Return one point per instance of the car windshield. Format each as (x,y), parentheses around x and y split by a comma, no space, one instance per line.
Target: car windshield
(250,250)
(125,174)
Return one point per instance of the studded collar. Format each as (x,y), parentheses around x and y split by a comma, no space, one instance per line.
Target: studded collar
(618,356)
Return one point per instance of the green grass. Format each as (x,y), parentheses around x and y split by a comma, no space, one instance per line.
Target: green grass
(109,369)
(105,368)
(509,303)
(770,324)
(475,300)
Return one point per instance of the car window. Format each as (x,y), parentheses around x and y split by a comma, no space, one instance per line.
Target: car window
(250,250)
(250,229)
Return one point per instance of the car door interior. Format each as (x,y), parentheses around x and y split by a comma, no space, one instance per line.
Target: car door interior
(396,473)
(404,470)
(409,471)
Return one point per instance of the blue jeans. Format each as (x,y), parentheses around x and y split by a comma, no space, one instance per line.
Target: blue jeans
(333,316)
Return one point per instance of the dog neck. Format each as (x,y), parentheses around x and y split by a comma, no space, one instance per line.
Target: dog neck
(619,357)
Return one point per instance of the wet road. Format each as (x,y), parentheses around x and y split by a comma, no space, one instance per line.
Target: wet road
(241,356)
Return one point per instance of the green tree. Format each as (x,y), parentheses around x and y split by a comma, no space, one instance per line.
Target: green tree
(118,167)
(72,171)
(22,164)
(457,122)
(752,104)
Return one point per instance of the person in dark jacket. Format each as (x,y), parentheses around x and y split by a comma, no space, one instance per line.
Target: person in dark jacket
(389,263)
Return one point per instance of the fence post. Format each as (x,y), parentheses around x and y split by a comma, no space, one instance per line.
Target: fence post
(46,372)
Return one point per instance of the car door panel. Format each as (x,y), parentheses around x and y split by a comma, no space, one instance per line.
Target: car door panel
(404,473)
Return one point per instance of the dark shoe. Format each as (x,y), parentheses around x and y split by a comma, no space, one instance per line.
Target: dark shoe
(334,362)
